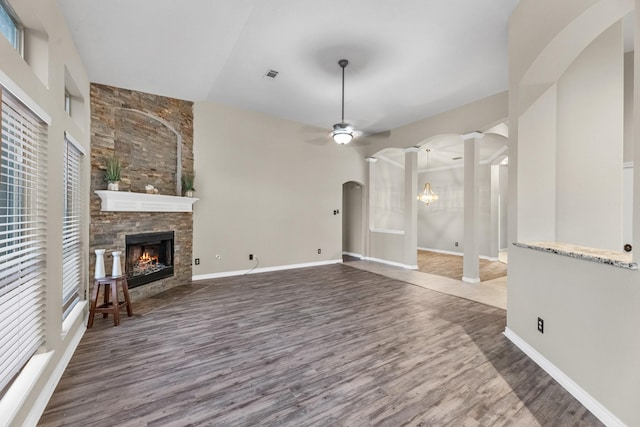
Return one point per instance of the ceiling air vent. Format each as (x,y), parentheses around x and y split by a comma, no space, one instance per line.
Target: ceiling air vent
(271,73)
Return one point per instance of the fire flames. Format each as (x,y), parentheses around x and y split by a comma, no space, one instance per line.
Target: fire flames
(146,264)
(147,259)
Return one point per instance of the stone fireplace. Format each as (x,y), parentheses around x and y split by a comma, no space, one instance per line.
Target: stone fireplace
(153,137)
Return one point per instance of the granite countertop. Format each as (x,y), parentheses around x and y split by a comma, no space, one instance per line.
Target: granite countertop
(602,256)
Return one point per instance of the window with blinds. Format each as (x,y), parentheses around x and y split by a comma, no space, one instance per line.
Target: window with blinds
(72,257)
(23,209)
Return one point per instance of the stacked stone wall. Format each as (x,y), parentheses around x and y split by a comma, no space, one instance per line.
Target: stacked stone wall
(148,133)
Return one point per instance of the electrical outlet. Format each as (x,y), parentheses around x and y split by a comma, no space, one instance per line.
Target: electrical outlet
(456,244)
(540,325)
(250,257)
(197,261)
(319,251)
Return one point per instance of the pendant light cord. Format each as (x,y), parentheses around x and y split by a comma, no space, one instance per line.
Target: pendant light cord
(343,64)
(342,94)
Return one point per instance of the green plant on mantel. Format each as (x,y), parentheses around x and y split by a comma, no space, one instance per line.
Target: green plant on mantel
(188,182)
(112,174)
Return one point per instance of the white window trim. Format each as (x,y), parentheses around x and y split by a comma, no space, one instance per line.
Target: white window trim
(22,96)
(75,143)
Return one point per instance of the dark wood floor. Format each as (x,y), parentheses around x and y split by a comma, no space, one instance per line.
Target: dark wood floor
(451,266)
(322,346)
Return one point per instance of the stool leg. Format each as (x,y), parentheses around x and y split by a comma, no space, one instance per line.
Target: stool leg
(115,304)
(107,297)
(127,299)
(94,301)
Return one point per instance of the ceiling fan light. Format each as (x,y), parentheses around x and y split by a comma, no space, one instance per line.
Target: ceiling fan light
(342,132)
(342,136)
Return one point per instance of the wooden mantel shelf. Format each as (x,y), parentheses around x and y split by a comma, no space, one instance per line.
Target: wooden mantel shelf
(124,201)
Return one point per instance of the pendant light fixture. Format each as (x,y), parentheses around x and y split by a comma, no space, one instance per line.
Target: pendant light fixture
(427,196)
(342,132)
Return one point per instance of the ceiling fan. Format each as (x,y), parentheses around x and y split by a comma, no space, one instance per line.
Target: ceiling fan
(342,133)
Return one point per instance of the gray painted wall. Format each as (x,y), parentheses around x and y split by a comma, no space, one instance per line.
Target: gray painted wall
(591,325)
(265,190)
(441,223)
(387,246)
(536,172)
(589,147)
(387,196)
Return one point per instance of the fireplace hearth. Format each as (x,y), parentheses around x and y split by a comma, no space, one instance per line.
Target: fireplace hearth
(149,257)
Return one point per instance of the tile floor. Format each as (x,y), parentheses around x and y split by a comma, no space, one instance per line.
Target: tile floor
(492,292)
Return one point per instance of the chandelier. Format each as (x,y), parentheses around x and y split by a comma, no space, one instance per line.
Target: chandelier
(427,196)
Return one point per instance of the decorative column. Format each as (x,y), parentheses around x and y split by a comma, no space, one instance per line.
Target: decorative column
(410,257)
(471,244)
(494,234)
(371,163)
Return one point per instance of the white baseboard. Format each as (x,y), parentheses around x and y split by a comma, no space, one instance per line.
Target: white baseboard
(395,264)
(589,402)
(386,231)
(263,269)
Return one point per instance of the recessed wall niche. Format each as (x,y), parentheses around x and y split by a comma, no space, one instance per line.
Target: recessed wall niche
(148,150)
(562,132)
(73,100)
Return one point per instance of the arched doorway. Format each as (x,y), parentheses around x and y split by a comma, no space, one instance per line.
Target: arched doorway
(353,209)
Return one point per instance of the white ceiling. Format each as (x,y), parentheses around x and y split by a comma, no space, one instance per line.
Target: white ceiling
(409,59)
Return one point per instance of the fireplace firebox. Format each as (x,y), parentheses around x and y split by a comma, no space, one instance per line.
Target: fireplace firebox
(149,257)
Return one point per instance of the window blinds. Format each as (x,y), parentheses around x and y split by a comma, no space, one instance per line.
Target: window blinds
(23,203)
(72,265)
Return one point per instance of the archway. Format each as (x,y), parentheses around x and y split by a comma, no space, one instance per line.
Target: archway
(445,225)
(353,230)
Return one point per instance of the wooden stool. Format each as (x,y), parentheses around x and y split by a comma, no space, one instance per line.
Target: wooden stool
(111,303)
